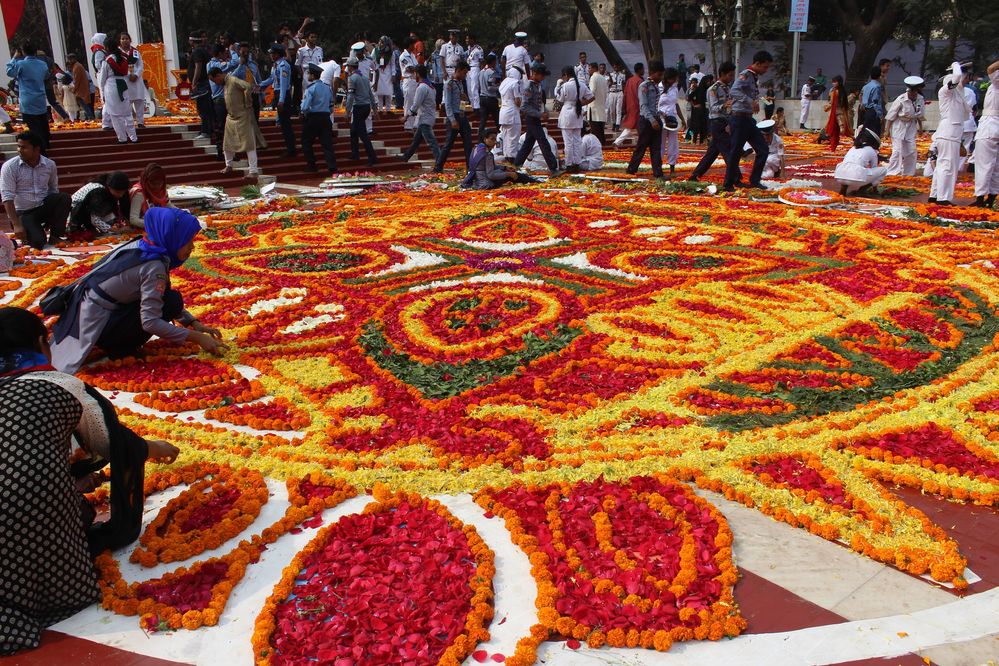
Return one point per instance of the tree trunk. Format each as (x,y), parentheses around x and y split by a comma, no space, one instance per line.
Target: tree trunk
(868,37)
(926,52)
(647,20)
(599,36)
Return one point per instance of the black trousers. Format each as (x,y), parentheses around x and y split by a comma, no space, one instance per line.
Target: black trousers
(488,108)
(597,130)
(359,133)
(51,216)
(535,134)
(56,106)
(872,121)
(465,130)
(744,129)
(648,139)
(284,121)
(219,114)
(206,111)
(721,144)
(318,125)
(256,106)
(124,334)
(38,123)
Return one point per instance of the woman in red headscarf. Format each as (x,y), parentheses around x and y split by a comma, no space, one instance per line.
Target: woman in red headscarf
(149,192)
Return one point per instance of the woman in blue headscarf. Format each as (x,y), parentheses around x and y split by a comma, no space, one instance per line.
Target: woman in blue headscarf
(126,298)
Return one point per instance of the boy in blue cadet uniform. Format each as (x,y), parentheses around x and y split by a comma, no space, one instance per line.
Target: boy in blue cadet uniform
(360,99)
(31,74)
(489,81)
(220,61)
(246,69)
(457,122)
(317,100)
(872,102)
(745,95)
(533,108)
(719,103)
(280,78)
(650,135)
(425,109)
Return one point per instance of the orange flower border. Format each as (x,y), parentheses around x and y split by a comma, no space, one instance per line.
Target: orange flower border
(163,541)
(481,581)
(121,597)
(720,621)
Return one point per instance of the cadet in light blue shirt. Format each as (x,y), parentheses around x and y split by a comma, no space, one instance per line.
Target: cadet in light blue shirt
(280,78)
(872,108)
(457,123)
(316,104)
(424,107)
(31,73)
(360,98)
(650,134)
(745,102)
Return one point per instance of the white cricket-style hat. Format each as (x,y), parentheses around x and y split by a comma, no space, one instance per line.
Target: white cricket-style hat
(766,125)
(520,35)
(913,81)
(357,46)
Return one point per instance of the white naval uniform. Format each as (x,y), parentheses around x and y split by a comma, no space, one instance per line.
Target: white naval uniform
(806,103)
(509,116)
(774,158)
(593,154)
(860,167)
(451,54)
(536,159)
(947,138)
(569,121)
(474,58)
(904,115)
(409,85)
(331,72)
(970,126)
(671,142)
(987,142)
(615,98)
(516,61)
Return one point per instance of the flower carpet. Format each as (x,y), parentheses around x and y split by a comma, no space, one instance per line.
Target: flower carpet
(589,368)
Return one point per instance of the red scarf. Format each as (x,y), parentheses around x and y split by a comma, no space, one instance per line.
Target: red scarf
(118,62)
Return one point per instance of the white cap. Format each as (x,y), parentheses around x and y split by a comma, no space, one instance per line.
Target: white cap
(765,125)
(913,81)
(520,35)
(357,46)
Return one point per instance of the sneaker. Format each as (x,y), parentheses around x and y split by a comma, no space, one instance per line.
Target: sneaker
(253,173)
(202,135)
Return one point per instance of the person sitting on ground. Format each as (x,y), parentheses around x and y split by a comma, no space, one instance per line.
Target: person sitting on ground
(775,158)
(593,152)
(29,188)
(126,297)
(49,531)
(483,174)
(780,124)
(100,205)
(536,159)
(859,168)
(149,192)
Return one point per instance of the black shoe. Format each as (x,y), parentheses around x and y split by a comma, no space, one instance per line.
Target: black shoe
(990,202)
(802,127)
(728,188)
(944,203)
(289,153)
(758,186)
(372,163)
(311,168)
(694,178)
(979,202)
(931,200)
(333,172)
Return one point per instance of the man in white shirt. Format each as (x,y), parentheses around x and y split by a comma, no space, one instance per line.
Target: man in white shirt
(970,126)
(582,68)
(987,144)
(451,52)
(596,112)
(615,96)
(474,56)
(516,58)
(511,97)
(310,54)
(947,138)
(806,100)
(593,154)
(904,118)
(29,188)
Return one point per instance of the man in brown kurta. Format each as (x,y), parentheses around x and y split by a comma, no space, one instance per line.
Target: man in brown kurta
(242,134)
(81,86)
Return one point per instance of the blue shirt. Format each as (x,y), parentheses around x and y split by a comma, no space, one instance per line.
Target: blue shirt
(218,90)
(280,78)
(317,98)
(648,100)
(452,98)
(240,71)
(870,96)
(30,73)
(359,91)
(744,92)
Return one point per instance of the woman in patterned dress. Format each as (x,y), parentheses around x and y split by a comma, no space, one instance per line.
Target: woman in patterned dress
(47,533)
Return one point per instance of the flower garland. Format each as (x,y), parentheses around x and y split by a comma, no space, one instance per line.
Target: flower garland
(437,557)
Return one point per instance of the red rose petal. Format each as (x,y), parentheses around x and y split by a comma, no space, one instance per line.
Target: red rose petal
(480,656)
(499,658)
(572,644)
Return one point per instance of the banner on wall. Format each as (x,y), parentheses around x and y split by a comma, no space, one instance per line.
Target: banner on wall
(154,70)
(13,10)
(799,16)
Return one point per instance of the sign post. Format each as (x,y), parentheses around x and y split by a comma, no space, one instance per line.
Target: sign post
(797,25)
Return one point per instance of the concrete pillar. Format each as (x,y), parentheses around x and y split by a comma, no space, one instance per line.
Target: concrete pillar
(4,50)
(169,24)
(57,36)
(89,20)
(132,24)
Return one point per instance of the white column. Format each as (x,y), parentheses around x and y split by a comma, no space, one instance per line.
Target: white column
(169,24)
(132,21)
(89,20)
(4,50)
(56,34)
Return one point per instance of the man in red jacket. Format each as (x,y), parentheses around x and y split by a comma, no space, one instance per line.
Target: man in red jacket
(629,124)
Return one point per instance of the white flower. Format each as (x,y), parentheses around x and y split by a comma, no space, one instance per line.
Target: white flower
(414,259)
(225,292)
(646,231)
(600,224)
(505,278)
(582,262)
(508,247)
(698,239)
(287,296)
(308,323)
